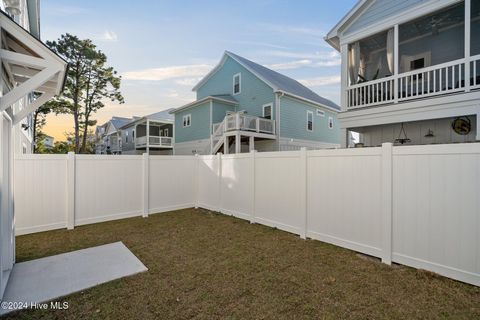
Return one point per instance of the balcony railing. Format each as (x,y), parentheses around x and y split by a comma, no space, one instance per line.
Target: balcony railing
(239,121)
(153,141)
(428,82)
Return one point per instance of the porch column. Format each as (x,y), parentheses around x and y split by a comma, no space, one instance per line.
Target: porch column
(148,137)
(343,138)
(396,60)
(238,143)
(225,145)
(468,15)
(344,77)
(251,144)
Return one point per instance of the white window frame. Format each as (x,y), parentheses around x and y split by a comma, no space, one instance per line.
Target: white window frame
(161,132)
(330,122)
(320,113)
(309,113)
(239,75)
(407,60)
(165,132)
(187,120)
(271,110)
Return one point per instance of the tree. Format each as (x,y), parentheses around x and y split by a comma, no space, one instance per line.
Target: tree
(88,84)
(39,120)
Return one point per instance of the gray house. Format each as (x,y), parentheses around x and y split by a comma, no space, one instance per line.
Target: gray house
(152,134)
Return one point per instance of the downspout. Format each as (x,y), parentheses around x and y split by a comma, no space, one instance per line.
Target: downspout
(277,117)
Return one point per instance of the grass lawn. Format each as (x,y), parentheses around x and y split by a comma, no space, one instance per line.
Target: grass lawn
(204,265)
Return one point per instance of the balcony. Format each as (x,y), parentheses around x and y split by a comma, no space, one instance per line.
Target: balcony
(434,55)
(249,125)
(446,78)
(153,141)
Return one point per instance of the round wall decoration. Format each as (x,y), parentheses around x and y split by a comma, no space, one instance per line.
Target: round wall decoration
(462,126)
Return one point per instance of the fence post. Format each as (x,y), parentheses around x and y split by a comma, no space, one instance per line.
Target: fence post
(387,173)
(303,192)
(196,180)
(70,190)
(253,154)
(146,164)
(219,173)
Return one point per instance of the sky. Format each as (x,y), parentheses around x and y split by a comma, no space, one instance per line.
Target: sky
(163,48)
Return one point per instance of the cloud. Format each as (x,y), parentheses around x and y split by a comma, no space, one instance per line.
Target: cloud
(109,36)
(290,65)
(304,59)
(292,29)
(188,81)
(166,73)
(320,81)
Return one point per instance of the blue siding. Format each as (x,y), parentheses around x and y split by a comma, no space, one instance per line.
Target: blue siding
(200,126)
(293,122)
(254,92)
(381,10)
(220,110)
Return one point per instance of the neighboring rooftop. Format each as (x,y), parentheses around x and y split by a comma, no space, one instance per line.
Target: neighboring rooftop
(278,81)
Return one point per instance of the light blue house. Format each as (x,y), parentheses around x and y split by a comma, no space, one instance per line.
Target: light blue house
(244,106)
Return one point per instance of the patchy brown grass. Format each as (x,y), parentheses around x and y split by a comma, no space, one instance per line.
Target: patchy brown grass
(208,266)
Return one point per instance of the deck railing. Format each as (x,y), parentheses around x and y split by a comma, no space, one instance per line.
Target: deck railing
(244,122)
(436,80)
(153,141)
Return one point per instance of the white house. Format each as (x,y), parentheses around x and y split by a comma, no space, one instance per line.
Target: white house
(410,71)
(28,67)
(108,136)
(48,142)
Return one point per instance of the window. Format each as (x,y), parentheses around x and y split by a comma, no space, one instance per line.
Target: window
(187,120)
(133,134)
(237,79)
(165,132)
(320,113)
(126,136)
(24,148)
(161,132)
(309,121)
(267,111)
(330,122)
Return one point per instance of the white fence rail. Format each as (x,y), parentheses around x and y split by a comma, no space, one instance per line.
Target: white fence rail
(416,205)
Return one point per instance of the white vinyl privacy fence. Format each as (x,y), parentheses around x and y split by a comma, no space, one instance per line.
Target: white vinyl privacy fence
(415,205)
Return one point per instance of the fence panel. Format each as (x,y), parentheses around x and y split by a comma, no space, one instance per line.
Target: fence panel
(40,191)
(436,209)
(277,181)
(171,183)
(237,185)
(209,182)
(344,198)
(107,188)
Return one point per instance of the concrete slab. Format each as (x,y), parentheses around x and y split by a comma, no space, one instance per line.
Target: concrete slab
(45,279)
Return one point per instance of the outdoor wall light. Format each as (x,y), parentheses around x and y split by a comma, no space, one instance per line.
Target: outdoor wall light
(429,134)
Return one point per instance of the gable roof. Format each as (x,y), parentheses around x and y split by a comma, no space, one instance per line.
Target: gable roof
(277,81)
(118,122)
(332,35)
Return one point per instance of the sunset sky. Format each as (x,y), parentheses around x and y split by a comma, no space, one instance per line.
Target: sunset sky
(163,48)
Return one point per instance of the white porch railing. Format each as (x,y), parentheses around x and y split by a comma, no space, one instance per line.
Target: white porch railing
(436,80)
(239,121)
(153,141)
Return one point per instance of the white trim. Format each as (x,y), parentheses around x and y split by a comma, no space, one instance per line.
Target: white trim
(407,60)
(201,101)
(402,17)
(271,110)
(309,112)
(315,104)
(187,120)
(239,75)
